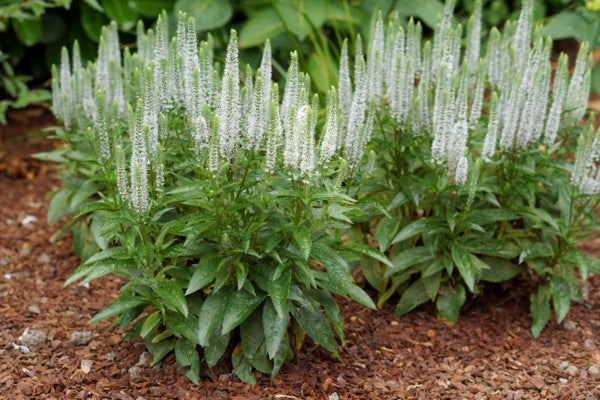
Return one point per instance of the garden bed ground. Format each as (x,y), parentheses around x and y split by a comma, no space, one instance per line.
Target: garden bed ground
(488,354)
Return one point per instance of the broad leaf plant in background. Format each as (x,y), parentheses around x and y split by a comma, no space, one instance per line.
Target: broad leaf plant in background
(476,197)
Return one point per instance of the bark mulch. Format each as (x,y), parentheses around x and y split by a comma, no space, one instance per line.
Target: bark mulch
(488,354)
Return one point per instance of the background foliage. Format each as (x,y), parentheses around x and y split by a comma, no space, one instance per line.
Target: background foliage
(33,31)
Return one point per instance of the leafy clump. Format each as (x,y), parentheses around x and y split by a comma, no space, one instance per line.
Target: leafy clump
(473,164)
(213,198)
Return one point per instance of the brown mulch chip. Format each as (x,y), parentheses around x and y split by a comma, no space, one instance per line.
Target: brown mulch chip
(488,354)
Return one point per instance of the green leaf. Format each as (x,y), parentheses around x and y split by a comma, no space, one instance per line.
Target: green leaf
(94,4)
(449,302)
(428,225)
(31,96)
(569,25)
(274,327)
(494,248)
(150,323)
(101,264)
(385,231)
(96,270)
(428,11)
(240,306)
(432,284)
(279,285)
(397,201)
(102,230)
(82,194)
(167,333)
(462,260)
(408,258)
(212,313)
(159,349)
(438,265)
(119,11)
(596,78)
(338,271)
(204,272)
(58,207)
(332,310)
(412,297)
(487,216)
(150,8)
(581,262)
(540,309)
(561,297)
(314,323)
(241,366)
(539,214)
(187,355)
(252,334)
(112,252)
(29,31)
(56,155)
(593,264)
(368,251)
(261,361)
(500,270)
(209,14)
(217,345)
(182,326)
(117,307)
(92,21)
(321,68)
(303,240)
(171,293)
(338,211)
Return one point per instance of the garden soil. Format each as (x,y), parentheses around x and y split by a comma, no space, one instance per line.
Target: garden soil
(488,354)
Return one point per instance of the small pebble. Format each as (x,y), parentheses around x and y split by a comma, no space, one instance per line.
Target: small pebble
(563,366)
(572,370)
(32,337)
(86,366)
(569,325)
(594,370)
(22,349)
(110,356)
(81,338)
(44,259)
(334,396)
(33,309)
(135,374)
(144,360)
(25,251)
(563,380)
(28,219)
(224,377)
(588,344)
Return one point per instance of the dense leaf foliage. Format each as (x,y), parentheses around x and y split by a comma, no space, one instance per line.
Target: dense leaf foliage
(472,197)
(212,198)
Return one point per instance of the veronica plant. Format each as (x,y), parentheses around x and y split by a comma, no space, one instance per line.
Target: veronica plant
(473,164)
(216,200)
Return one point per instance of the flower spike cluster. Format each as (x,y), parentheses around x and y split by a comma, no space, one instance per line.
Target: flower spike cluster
(439,88)
(132,96)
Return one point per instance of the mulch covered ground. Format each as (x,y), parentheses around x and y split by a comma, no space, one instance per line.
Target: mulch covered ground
(488,354)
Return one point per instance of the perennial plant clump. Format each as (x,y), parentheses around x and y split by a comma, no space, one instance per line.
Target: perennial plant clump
(473,164)
(226,203)
(218,202)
